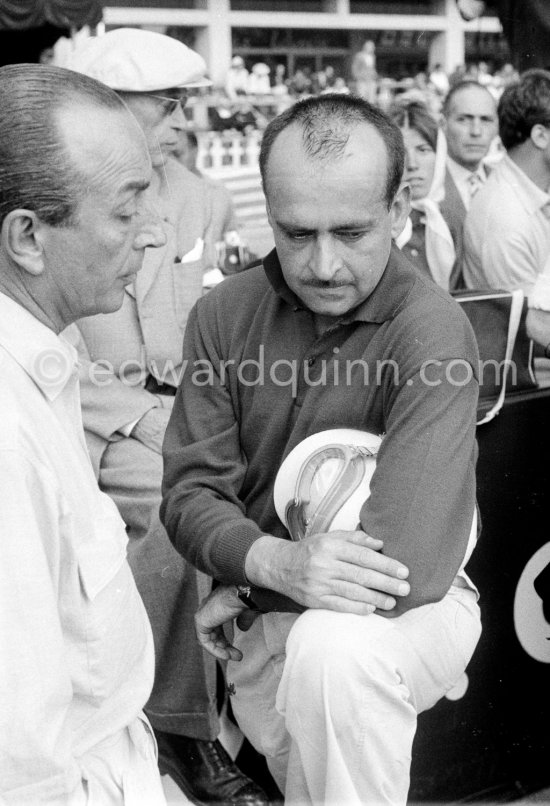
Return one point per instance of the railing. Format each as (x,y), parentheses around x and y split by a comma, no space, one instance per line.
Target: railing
(228,153)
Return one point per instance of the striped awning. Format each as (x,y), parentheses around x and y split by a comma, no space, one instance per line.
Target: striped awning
(22,14)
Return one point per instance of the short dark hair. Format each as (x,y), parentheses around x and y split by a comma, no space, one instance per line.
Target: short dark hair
(415,115)
(326,121)
(522,105)
(36,170)
(456,88)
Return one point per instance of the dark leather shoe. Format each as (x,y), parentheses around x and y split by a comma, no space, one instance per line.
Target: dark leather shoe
(205,772)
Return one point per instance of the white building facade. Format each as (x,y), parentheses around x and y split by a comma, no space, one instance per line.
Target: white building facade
(409,36)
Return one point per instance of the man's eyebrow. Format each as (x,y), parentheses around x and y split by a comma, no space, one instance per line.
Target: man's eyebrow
(140,184)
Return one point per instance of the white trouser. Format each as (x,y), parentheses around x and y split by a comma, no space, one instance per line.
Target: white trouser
(332,699)
(123,769)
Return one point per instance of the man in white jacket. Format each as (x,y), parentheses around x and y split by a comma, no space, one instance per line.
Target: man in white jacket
(76,650)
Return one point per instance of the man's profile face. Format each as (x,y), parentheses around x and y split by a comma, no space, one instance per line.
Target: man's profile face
(330,219)
(470,126)
(89,263)
(159,120)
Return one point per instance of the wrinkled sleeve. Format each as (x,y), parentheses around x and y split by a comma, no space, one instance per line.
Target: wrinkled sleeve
(422,497)
(204,466)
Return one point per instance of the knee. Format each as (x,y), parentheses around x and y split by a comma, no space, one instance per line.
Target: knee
(338,647)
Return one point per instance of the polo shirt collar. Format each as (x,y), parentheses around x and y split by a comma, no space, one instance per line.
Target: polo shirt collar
(383,303)
(529,194)
(48,359)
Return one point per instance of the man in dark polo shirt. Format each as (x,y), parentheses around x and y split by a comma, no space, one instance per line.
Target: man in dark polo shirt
(359,630)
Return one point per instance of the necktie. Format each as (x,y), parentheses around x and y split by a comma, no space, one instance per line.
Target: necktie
(474,183)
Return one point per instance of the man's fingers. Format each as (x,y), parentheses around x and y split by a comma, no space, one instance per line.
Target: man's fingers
(366,595)
(364,557)
(216,644)
(363,539)
(375,580)
(343,605)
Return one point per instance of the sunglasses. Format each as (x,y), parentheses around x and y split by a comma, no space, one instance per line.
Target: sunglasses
(170,105)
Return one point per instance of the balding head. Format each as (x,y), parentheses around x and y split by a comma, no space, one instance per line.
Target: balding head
(326,123)
(36,172)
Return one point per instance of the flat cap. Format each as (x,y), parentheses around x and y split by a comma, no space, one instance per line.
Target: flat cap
(133,60)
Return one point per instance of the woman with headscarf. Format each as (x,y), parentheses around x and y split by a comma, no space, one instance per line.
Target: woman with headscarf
(426,239)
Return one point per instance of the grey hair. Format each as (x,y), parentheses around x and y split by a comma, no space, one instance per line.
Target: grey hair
(36,170)
(326,122)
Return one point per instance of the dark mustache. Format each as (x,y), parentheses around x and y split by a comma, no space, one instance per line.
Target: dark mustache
(325,284)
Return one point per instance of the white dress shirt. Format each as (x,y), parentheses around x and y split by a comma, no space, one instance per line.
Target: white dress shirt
(507,231)
(76,652)
(463,179)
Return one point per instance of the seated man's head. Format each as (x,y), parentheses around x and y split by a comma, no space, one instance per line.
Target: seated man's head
(331,171)
(524,115)
(152,73)
(469,123)
(74,219)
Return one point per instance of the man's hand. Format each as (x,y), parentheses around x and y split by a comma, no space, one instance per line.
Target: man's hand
(342,571)
(150,429)
(221,606)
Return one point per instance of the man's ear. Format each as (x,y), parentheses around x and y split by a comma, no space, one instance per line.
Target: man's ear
(540,136)
(21,240)
(400,209)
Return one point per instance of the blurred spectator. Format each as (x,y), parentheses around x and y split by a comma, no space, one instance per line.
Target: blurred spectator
(385,93)
(507,230)
(484,77)
(258,80)
(300,84)
(457,75)
(426,239)
(239,115)
(329,75)
(236,82)
(318,82)
(339,86)
(280,90)
(439,80)
(363,70)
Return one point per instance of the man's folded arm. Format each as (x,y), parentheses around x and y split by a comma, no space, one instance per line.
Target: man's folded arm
(422,498)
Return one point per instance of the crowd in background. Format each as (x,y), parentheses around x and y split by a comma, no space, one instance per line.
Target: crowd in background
(254,93)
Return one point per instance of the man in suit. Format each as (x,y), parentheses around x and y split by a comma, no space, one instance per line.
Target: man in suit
(470,125)
(131,363)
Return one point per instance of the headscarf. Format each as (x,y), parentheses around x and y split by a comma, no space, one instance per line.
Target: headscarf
(440,250)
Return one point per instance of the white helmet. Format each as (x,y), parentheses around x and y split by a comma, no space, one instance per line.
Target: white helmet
(324,481)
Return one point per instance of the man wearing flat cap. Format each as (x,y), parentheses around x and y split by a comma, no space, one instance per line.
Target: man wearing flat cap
(125,412)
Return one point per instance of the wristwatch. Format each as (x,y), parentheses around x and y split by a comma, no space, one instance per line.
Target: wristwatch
(244,593)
